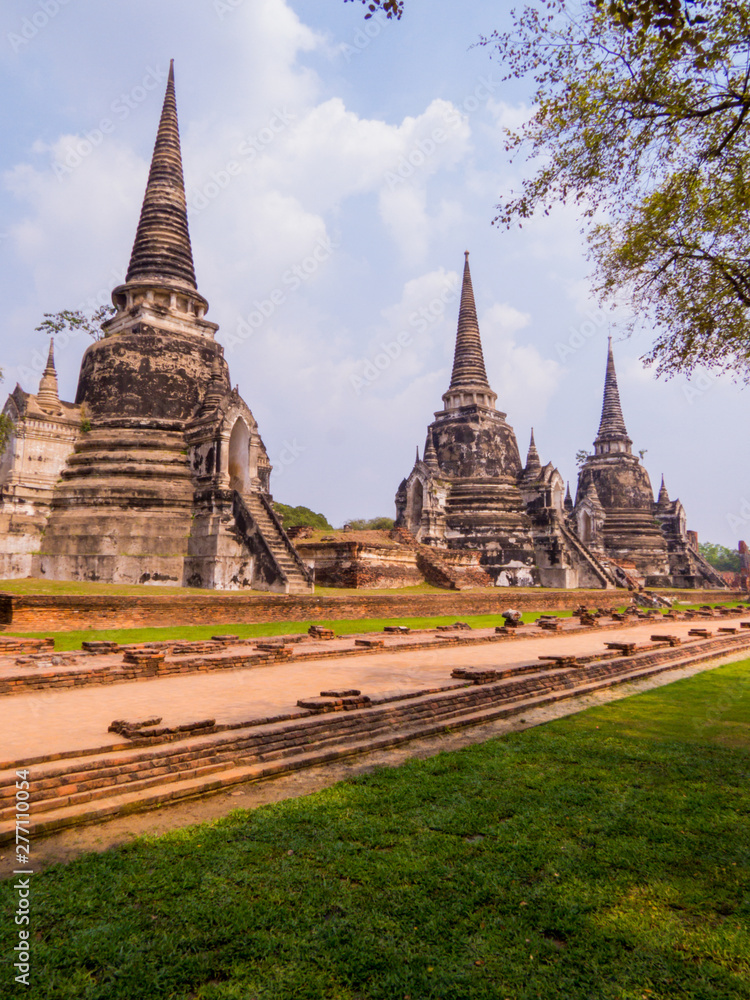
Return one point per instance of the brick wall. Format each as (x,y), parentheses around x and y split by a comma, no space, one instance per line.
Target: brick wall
(59,613)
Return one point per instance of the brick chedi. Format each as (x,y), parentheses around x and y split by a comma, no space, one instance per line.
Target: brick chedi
(470,493)
(615,514)
(167,480)
(464,493)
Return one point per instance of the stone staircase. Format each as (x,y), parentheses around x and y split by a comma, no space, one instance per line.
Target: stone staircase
(298,577)
(601,568)
(436,569)
(80,788)
(712,576)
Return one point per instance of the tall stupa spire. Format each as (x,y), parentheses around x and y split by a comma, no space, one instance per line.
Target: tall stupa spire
(468,360)
(469,385)
(613,435)
(161,252)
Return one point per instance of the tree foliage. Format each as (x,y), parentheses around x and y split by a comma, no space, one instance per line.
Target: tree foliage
(75,321)
(720,557)
(294,517)
(641,120)
(678,23)
(391,8)
(371,524)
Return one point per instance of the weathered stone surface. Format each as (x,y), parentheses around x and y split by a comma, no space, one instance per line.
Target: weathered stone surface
(616,516)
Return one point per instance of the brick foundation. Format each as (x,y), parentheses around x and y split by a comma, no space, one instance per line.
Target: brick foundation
(60,613)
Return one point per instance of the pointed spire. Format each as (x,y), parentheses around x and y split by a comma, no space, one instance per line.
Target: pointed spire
(568,503)
(533,462)
(663,494)
(417,458)
(612,425)
(48,396)
(591,494)
(468,360)
(161,252)
(430,455)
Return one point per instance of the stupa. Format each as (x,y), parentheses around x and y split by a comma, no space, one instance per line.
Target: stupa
(615,513)
(163,475)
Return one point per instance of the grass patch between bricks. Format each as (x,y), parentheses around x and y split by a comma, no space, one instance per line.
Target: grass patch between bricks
(72,639)
(604,856)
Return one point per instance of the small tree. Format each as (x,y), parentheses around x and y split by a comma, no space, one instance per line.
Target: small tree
(581,456)
(6,426)
(720,557)
(641,119)
(75,321)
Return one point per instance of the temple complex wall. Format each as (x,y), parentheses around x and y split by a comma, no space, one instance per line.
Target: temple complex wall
(50,613)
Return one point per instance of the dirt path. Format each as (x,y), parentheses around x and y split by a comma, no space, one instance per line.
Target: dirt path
(70,844)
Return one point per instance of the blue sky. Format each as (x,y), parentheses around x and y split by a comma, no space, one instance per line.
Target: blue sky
(336,170)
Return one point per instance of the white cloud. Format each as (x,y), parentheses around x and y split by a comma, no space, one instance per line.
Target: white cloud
(523,380)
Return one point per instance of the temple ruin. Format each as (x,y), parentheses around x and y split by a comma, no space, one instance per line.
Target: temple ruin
(470,492)
(157,473)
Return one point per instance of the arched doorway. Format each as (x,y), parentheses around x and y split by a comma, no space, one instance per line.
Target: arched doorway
(586,527)
(239,458)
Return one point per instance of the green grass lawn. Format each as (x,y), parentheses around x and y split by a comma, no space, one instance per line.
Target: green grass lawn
(605,856)
(34,586)
(73,640)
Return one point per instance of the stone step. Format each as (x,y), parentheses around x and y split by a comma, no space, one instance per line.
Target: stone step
(154,780)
